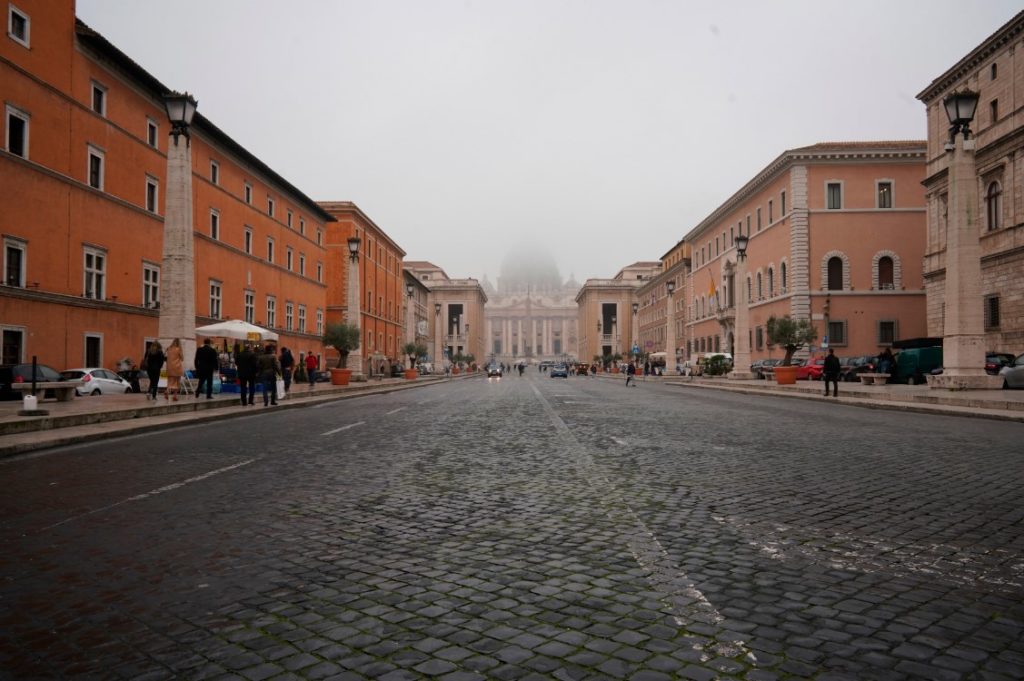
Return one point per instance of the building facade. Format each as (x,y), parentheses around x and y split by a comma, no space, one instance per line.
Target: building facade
(457,310)
(995,70)
(653,301)
(836,235)
(417,315)
(83,169)
(381,283)
(605,312)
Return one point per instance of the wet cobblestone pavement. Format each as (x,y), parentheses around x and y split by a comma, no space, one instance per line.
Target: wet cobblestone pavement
(527,528)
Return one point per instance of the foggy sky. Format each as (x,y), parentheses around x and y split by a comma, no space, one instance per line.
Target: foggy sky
(600,131)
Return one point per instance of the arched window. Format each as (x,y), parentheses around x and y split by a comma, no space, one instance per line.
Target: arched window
(750,290)
(885,273)
(782,271)
(760,286)
(994,205)
(835,274)
(771,282)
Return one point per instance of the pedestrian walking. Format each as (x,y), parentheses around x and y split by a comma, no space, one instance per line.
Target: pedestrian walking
(269,370)
(154,363)
(287,364)
(206,362)
(830,373)
(175,370)
(631,374)
(311,368)
(245,361)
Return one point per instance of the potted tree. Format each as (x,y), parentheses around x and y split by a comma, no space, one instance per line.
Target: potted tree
(457,359)
(616,358)
(791,335)
(344,338)
(411,350)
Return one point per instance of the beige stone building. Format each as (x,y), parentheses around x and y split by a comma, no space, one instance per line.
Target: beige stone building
(455,311)
(531,315)
(995,70)
(651,319)
(605,311)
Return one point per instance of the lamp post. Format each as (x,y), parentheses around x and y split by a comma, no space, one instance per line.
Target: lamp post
(438,356)
(670,324)
(963,330)
(635,330)
(354,316)
(410,316)
(741,342)
(615,337)
(178,280)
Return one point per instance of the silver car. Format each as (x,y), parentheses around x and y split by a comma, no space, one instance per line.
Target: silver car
(1013,374)
(96,381)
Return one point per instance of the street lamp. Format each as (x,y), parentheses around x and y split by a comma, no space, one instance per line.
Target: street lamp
(177,270)
(635,331)
(615,339)
(354,316)
(963,330)
(670,324)
(410,317)
(741,327)
(438,357)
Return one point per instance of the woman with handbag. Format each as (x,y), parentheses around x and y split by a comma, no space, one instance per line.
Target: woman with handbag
(175,370)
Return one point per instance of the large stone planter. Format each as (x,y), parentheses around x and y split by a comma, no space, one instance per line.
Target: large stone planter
(411,374)
(785,375)
(340,376)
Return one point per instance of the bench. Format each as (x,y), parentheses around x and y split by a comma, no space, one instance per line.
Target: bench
(64,391)
(874,379)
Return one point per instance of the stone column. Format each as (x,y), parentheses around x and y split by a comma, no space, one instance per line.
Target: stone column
(519,330)
(670,332)
(438,344)
(355,359)
(177,268)
(963,331)
(741,345)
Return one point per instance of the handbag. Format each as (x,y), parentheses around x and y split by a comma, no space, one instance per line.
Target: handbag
(280,388)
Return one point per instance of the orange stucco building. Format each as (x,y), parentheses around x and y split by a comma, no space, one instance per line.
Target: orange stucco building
(83,170)
(381,286)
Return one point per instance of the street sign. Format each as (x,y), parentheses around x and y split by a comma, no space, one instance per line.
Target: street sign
(636,348)
(824,342)
(649,344)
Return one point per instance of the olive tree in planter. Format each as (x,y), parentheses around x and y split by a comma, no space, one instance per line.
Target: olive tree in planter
(344,338)
(413,350)
(792,335)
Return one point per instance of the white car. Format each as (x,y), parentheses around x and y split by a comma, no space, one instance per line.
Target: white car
(96,381)
(1013,374)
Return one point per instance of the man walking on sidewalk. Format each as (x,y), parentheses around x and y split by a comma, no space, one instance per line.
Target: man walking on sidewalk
(206,362)
(830,373)
(631,374)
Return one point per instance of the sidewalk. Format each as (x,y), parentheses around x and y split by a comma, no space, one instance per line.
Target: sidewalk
(92,418)
(1007,405)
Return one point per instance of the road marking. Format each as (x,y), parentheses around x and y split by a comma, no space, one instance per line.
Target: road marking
(618,441)
(393,411)
(677,591)
(152,493)
(338,430)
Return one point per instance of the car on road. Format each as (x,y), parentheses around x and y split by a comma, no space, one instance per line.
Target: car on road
(1013,374)
(22,373)
(96,381)
(559,371)
(494,370)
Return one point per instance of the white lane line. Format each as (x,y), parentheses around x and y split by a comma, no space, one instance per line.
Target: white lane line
(618,441)
(152,493)
(338,430)
(393,411)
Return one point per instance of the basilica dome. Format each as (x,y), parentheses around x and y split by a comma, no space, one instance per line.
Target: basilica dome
(530,269)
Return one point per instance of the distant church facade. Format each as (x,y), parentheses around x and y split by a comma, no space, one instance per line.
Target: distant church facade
(531,315)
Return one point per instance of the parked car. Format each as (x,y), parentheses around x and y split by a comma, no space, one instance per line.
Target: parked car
(856,366)
(762,368)
(22,373)
(1013,374)
(913,364)
(811,369)
(995,361)
(559,371)
(96,381)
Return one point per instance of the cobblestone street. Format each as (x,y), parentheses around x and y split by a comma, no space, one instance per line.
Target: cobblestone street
(523,528)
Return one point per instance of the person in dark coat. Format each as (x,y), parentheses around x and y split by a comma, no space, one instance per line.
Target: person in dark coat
(631,374)
(245,361)
(154,363)
(830,373)
(269,368)
(206,362)
(287,364)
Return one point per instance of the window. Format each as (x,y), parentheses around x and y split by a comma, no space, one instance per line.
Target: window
(289,219)
(994,205)
(214,172)
(302,265)
(885,273)
(289,256)
(760,287)
(289,315)
(771,212)
(95,270)
(750,290)
(302,226)
(784,278)
(759,218)
(15,251)
(248,240)
(271,311)
(732,237)
(152,193)
(214,224)
(250,307)
(993,71)
(247,192)
(834,194)
(150,285)
(319,238)
(215,298)
(270,250)
(95,168)
(835,273)
(17,132)
(94,353)
(13,345)
(782,204)
(319,322)
(884,199)
(837,333)
(152,133)
(716,245)
(771,282)
(759,338)
(18,26)
(270,206)
(302,319)
(886,331)
(99,99)
(991,313)
(319,272)
(993,110)
(748,225)
(739,228)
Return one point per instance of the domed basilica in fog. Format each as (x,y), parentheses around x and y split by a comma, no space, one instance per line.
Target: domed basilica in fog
(531,314)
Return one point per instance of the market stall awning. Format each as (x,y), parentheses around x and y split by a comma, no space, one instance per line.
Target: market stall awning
(236,329)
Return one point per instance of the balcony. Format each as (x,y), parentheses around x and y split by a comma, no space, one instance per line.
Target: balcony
(726,315)
(456,340)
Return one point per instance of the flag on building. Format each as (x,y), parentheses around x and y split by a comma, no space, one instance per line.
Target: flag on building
(712,293)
